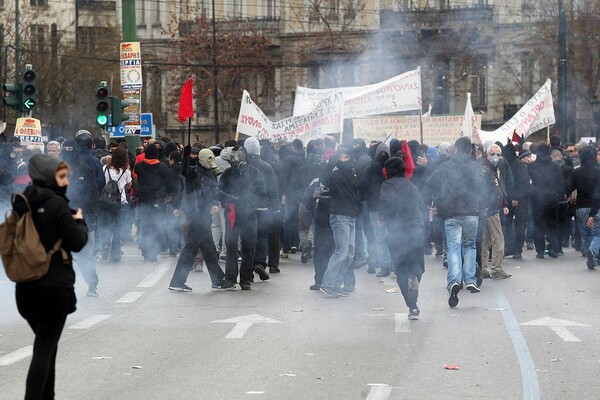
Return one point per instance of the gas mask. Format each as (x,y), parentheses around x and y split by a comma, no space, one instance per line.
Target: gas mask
(237,157)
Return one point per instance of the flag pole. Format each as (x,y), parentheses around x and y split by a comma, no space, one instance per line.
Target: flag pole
(189,131)
(421,124)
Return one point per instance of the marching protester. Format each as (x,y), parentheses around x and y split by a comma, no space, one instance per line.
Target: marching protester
(46,302)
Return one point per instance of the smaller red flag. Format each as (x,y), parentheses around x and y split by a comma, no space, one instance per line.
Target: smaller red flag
(515,137)
(408,160)
(186,104)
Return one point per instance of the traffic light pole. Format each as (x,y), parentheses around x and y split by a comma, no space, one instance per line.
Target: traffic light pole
(129,32)
(562,74)
(17,41)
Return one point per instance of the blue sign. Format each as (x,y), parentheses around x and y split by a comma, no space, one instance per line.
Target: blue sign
(145,125)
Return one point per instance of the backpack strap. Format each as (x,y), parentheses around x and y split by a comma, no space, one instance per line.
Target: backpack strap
(109,175)
(22,196)
(57,247)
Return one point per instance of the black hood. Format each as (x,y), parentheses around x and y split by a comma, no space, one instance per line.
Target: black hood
(359,147)
(394,167)
(587,156)
(543,154)
(152,152)
(267,154)
(509,153)
(415,149)
(42,169)
(395,146)
(382,158)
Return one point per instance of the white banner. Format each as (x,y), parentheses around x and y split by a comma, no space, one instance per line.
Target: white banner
(536,114)
(400,93)
(29,131)
(326,118)
(436,129)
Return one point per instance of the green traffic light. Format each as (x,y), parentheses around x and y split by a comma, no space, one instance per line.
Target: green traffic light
(102,120)
(28,104)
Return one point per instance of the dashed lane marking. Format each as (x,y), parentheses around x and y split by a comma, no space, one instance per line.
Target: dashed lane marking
(402,323)
(130,297)
(89,322)
(154,277)
(379,391)
(15,356)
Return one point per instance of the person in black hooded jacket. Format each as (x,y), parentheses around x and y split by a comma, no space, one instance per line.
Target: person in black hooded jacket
(401,209)
(547,189)
(361,162)
(46,302)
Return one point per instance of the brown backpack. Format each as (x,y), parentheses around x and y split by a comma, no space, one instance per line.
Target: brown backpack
(23,254)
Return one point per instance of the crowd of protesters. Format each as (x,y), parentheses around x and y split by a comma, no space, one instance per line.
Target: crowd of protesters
(383,206)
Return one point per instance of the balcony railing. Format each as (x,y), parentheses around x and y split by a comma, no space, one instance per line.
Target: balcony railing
(435,17)
(97,5)
(241,24)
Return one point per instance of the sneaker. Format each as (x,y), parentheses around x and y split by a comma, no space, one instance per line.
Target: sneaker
(413,314)
(517,256)
(478,274)
(306,252)
(223,257)
(445,264)
(349,289)
(540,255)
(473,288)
(552,254)
(316,286)
(181,288)
(438,253)
(246,286)
(340,292)
(283,254)
(262,274)
(239,259)
(329,292)
(293,250)
(485,273)
(371,270)
(198,268)
(530,246)
(356,264)
(92,291)
(500,274)
(274,270)
(383,273)
(591,260)
(453,299)
(223,287)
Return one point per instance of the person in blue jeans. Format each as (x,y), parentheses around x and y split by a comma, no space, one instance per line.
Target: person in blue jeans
(345,206)
(455,184)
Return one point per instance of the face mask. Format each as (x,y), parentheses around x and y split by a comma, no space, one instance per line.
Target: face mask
(494,160)
(237,157)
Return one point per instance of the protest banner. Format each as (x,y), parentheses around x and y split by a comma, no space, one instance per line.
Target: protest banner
(29,132)
(436,129)
(325,119)
(400,93)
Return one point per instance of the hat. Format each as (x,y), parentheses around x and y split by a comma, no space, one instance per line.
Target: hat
(196,150)
(524,153)
(252,145)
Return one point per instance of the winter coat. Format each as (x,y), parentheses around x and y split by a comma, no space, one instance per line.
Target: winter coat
(243,186)
(154,181)
(585,179)
(456,185)
(53,295)
(547,181)
(87,157)
(290,167)
(372,178)
(520,187)
(343,185)
(401,205)
(201,191)
(492,196)
(82,190)
(270,197)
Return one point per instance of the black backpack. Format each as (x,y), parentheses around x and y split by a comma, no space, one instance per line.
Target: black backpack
(110,198)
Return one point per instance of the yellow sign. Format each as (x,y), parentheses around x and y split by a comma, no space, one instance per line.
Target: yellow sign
(29,131)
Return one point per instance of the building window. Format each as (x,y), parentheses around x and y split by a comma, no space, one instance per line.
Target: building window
(37,37)
(141,12)
(527,72)
(478,84)
(156,20)
(39,2)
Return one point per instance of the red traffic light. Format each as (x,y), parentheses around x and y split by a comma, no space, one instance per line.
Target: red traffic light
(102,92)
(102,106)
(29,90)
(29,76)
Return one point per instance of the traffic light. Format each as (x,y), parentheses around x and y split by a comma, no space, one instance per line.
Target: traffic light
(13,101)
(102,104)
(28,89)
(117,107)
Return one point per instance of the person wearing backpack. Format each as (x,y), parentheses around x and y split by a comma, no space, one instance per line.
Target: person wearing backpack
(118,181)
(46,302)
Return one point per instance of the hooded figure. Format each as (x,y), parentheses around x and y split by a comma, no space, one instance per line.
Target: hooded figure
(46,302)
(223,159)
(401,211)
(206,158)
(547,189)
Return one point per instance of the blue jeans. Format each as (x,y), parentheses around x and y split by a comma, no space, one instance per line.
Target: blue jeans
(380,233)
(595,244)
(360,239)
(461,236)
(584,231)
(344,236)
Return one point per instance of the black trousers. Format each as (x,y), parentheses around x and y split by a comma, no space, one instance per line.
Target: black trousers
(244,229)
(152,216)
(274,239)
(545,222)
(408,259)
(199,237)
(324,244)
(41,375)
(514,238)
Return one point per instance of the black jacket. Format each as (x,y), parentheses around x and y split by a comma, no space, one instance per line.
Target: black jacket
(201,191)
(585,179)
(492,196)
(343,188)
(290,167)
(456,185)
(82,190)
(372,179)
(547,181)
(154,181)
(401,205)
(520,187)
(53,220)
(243,186)
(270,197)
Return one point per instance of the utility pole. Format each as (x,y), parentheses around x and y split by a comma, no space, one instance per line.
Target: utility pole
(215,72)
(17,41)
(562,73)
(129,28)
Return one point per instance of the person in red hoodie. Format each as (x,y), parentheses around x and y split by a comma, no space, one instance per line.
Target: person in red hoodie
(154,186)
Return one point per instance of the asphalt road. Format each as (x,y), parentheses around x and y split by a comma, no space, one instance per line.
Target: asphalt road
(533,336)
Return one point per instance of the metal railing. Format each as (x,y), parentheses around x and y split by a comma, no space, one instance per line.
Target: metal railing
(435,16)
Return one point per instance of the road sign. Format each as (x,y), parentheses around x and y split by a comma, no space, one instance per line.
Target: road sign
(243,323)
(558,326)
(146,128)
(146,122)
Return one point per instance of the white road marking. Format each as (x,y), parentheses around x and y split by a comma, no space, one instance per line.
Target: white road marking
(130,297)
(255,392)
(558,326)
(154,277)
(531,386)
(15,356)
(243,323)
(89,322)
(379,391)
(402,323)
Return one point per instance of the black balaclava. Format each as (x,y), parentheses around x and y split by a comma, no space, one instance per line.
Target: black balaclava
(69,151)
(344,165)
(382,154)
(394,167)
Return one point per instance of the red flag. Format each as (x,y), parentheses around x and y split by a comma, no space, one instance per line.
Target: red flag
(186,104)
(515,137)
(408,160)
